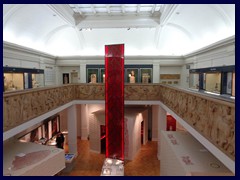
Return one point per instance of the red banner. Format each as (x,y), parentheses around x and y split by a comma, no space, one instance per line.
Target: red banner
(114,100)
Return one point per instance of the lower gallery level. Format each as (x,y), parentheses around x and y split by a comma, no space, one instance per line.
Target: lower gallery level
(154,140)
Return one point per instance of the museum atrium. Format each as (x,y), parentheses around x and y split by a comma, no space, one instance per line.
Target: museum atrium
(178,77)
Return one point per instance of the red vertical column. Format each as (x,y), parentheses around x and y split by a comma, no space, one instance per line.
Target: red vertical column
(114,100)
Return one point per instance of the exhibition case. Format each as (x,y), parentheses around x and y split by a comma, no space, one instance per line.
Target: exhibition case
(45,132)
(132,73)
(22,78)
(217,80)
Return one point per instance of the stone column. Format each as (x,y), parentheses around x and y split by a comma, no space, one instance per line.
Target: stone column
(72,129)
(83,72)
(156,72)
(84,122)
(155,116)
(162,126)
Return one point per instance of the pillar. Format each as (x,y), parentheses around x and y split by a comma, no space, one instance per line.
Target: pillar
(155,116)
(83,72)
(162,126)
(156,72)
(114,100)
(84,122)
(72,129)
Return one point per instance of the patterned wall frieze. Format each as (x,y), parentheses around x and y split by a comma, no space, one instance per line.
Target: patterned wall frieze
(214,119)
(141,92)
(90,91)
(23,106)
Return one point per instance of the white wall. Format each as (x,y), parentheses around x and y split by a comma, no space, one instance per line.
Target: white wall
(18,56)
(184,77)
(222,54)
(67,69)
(218,54)
(134,133)
(63,120)
(145,128)
(78,107)
(170,69)
(95,107)
(95,120)
(84,122)
(155,117)
(49,74)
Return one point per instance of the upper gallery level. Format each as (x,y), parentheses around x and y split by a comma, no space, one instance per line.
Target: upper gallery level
(211,117)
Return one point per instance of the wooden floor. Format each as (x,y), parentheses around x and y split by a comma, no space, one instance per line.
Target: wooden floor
(88,163)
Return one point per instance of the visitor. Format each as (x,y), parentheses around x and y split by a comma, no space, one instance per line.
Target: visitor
(60,140)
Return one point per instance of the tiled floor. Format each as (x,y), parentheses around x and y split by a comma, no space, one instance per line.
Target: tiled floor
(90,164)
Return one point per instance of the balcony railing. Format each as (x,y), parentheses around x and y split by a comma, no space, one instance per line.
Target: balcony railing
(213,118)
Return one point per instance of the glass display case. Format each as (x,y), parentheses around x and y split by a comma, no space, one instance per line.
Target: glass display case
(233,84)
(102,75)
(132,75)
(45,133)
(213,82)
(22,78)
(37,80)
(92,75)
(145,75)
(13,81)
(229,83)
(194,80)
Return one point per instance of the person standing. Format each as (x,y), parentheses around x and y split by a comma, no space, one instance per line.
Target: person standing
(60,140)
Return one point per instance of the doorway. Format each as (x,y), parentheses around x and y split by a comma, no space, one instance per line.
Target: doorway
(65,78)
(103,138)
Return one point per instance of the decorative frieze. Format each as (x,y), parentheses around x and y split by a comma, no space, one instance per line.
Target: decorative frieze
(214,119)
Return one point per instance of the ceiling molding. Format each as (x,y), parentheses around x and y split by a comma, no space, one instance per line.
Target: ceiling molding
(12,10)
(222,14)
(181,29)
(64,12)
(51,33)
(125,57)
(15,47)
(126,21)
(81,38)
(78,10)
(167,12)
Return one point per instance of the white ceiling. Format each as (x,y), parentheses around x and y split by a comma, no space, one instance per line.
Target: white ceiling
(145,29)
